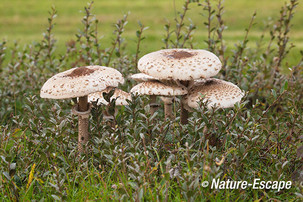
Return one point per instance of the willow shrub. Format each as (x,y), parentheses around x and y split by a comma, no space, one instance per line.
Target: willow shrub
(140,156)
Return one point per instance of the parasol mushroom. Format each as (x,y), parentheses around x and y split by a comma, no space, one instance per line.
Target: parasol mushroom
(79,82)
(180,66)
(154,88)
(218,93)
(121,98)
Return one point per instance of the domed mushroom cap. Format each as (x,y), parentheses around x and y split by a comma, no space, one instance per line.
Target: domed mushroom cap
(217,92)
(80,81)
(120,96)
(141,77)
(180,64)
(157,88)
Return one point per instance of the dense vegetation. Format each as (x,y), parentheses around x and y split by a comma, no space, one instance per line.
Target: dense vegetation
(144,157)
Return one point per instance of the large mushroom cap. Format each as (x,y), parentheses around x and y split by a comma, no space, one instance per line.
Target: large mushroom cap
(157,88)
(120,96)
(217,92)
(180,64)
(80,81)
(140,77)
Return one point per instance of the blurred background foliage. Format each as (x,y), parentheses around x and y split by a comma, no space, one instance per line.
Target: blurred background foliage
(25,20)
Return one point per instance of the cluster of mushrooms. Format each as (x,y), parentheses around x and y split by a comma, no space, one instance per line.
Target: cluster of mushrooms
(167,73)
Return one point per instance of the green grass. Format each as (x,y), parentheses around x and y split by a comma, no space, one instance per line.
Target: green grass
(25,21)
(144,157)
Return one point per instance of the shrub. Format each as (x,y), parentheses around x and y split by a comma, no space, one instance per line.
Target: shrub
(144,157)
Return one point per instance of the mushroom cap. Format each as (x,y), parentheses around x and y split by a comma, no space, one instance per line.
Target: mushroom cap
(180,64)
(157,88)
(219,93)
(80,81)
(120,96)
(141,77)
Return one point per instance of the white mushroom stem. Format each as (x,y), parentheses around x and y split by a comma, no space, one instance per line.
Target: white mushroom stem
(154,88)
(191,83)
(83,135)
(184,112)
(153,104)
(168,106)
(181,84)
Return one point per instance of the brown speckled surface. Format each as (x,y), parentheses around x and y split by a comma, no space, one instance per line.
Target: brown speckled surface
(78,82)
(120,96)
(157,88)
(221,93)
(180,64)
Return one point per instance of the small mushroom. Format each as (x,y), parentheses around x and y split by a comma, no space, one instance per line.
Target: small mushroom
(182,66)
(121,97)
(168,106)
(154,88)
(80,82)
(216,92)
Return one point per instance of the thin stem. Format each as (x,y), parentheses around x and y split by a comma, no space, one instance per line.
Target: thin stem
(116,45)
(168,107)
(210,11)
(153,104)
(180,24)
(97,44)
(220,30)
(83,135)
(140,38)
(87,32)
(83,104)
(184,112)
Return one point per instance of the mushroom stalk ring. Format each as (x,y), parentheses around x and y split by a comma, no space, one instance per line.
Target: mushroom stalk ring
(83,115)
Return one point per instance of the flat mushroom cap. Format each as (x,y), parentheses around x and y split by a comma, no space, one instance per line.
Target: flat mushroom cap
(140,77)
(120,96)
(180,64)
(157,88)
(80,81)
(219,93)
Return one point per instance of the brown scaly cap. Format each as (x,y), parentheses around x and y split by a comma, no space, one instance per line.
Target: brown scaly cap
(221,93)
(157,88)
(80,81)
(120,96)
(180,64)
